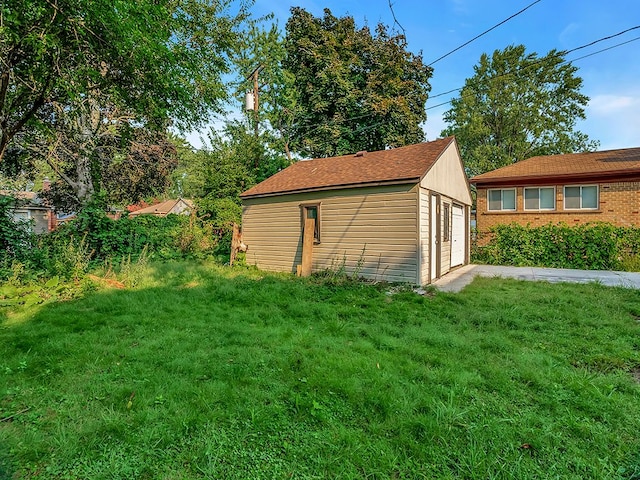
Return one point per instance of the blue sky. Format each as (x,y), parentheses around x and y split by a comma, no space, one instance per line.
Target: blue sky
(611,79)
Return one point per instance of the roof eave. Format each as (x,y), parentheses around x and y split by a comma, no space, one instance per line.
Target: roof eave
(401,181)
(598,177)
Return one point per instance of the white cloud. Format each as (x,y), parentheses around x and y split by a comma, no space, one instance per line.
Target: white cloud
(614,120)
(610,104)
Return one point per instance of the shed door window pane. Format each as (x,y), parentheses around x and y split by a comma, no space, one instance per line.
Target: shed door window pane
(446,222)
(312,211)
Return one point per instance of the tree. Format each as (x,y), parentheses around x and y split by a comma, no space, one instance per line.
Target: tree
(517,106)
(68,65)
(123,169)
(354,89)
(232,162)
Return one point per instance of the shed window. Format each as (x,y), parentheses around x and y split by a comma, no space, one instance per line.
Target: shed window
(311,211)
(543,198)
(581,197)
(502,199)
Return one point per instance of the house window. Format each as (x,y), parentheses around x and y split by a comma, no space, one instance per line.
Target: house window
(446,222)
(502,199)
(543,198)
(583,197)
(21,216)
(311,211)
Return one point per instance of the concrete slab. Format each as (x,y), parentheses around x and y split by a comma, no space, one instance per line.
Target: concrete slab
(457,279)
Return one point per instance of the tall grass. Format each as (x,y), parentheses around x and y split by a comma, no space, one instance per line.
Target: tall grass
(205,372)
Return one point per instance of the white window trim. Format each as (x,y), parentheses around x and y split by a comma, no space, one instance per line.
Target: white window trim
(515,203)
(564,197)
(524,199)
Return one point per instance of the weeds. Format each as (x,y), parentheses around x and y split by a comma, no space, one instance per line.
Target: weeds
(131,273)
(340,272)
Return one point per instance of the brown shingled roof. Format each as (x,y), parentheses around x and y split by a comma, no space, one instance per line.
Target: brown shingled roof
(398,165)
(606,165)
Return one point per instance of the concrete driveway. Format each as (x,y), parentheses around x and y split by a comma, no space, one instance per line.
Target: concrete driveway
(456,280)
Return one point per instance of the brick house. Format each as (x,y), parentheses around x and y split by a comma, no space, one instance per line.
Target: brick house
(572,188)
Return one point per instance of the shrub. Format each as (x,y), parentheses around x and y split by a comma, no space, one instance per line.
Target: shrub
(93,239)
(597,246)
(16,238)
(173,236)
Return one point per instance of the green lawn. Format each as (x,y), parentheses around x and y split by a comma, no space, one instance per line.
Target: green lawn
(208,372)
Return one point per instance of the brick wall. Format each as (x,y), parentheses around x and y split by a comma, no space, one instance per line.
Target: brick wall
(619,204)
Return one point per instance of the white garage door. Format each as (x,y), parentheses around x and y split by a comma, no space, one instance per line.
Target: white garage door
(457,236)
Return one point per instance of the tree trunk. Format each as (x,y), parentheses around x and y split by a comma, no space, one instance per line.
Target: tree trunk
(83,185)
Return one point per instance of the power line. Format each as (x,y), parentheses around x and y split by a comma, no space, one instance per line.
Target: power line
(605,49)
(603,39)
(484,33)
(532,64)
(559,53)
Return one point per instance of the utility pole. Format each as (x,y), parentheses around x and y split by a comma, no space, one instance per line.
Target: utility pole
(252,101)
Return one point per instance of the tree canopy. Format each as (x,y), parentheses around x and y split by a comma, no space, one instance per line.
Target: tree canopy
(353,89)
(515,106)
(77,75)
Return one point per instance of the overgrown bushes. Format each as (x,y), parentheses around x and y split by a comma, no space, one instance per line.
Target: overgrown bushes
(173,236)
(93,239)
(16,239)
(598,246)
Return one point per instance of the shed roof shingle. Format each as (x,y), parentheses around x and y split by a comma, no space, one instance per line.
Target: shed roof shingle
(605,164)
(386,166)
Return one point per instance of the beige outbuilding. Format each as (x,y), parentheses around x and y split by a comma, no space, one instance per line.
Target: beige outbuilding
(398,215)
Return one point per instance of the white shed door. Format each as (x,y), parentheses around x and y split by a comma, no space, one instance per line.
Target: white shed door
(457,236)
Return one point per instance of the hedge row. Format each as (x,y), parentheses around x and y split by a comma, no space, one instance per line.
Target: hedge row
(598,246)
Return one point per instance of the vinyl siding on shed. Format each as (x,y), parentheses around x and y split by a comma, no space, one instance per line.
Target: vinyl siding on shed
(425,241)
(372,231)
(447,177)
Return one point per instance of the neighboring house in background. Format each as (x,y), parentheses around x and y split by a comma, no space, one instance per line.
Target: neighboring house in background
(572,188)
(179,206)
(31,208)
(398,215)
